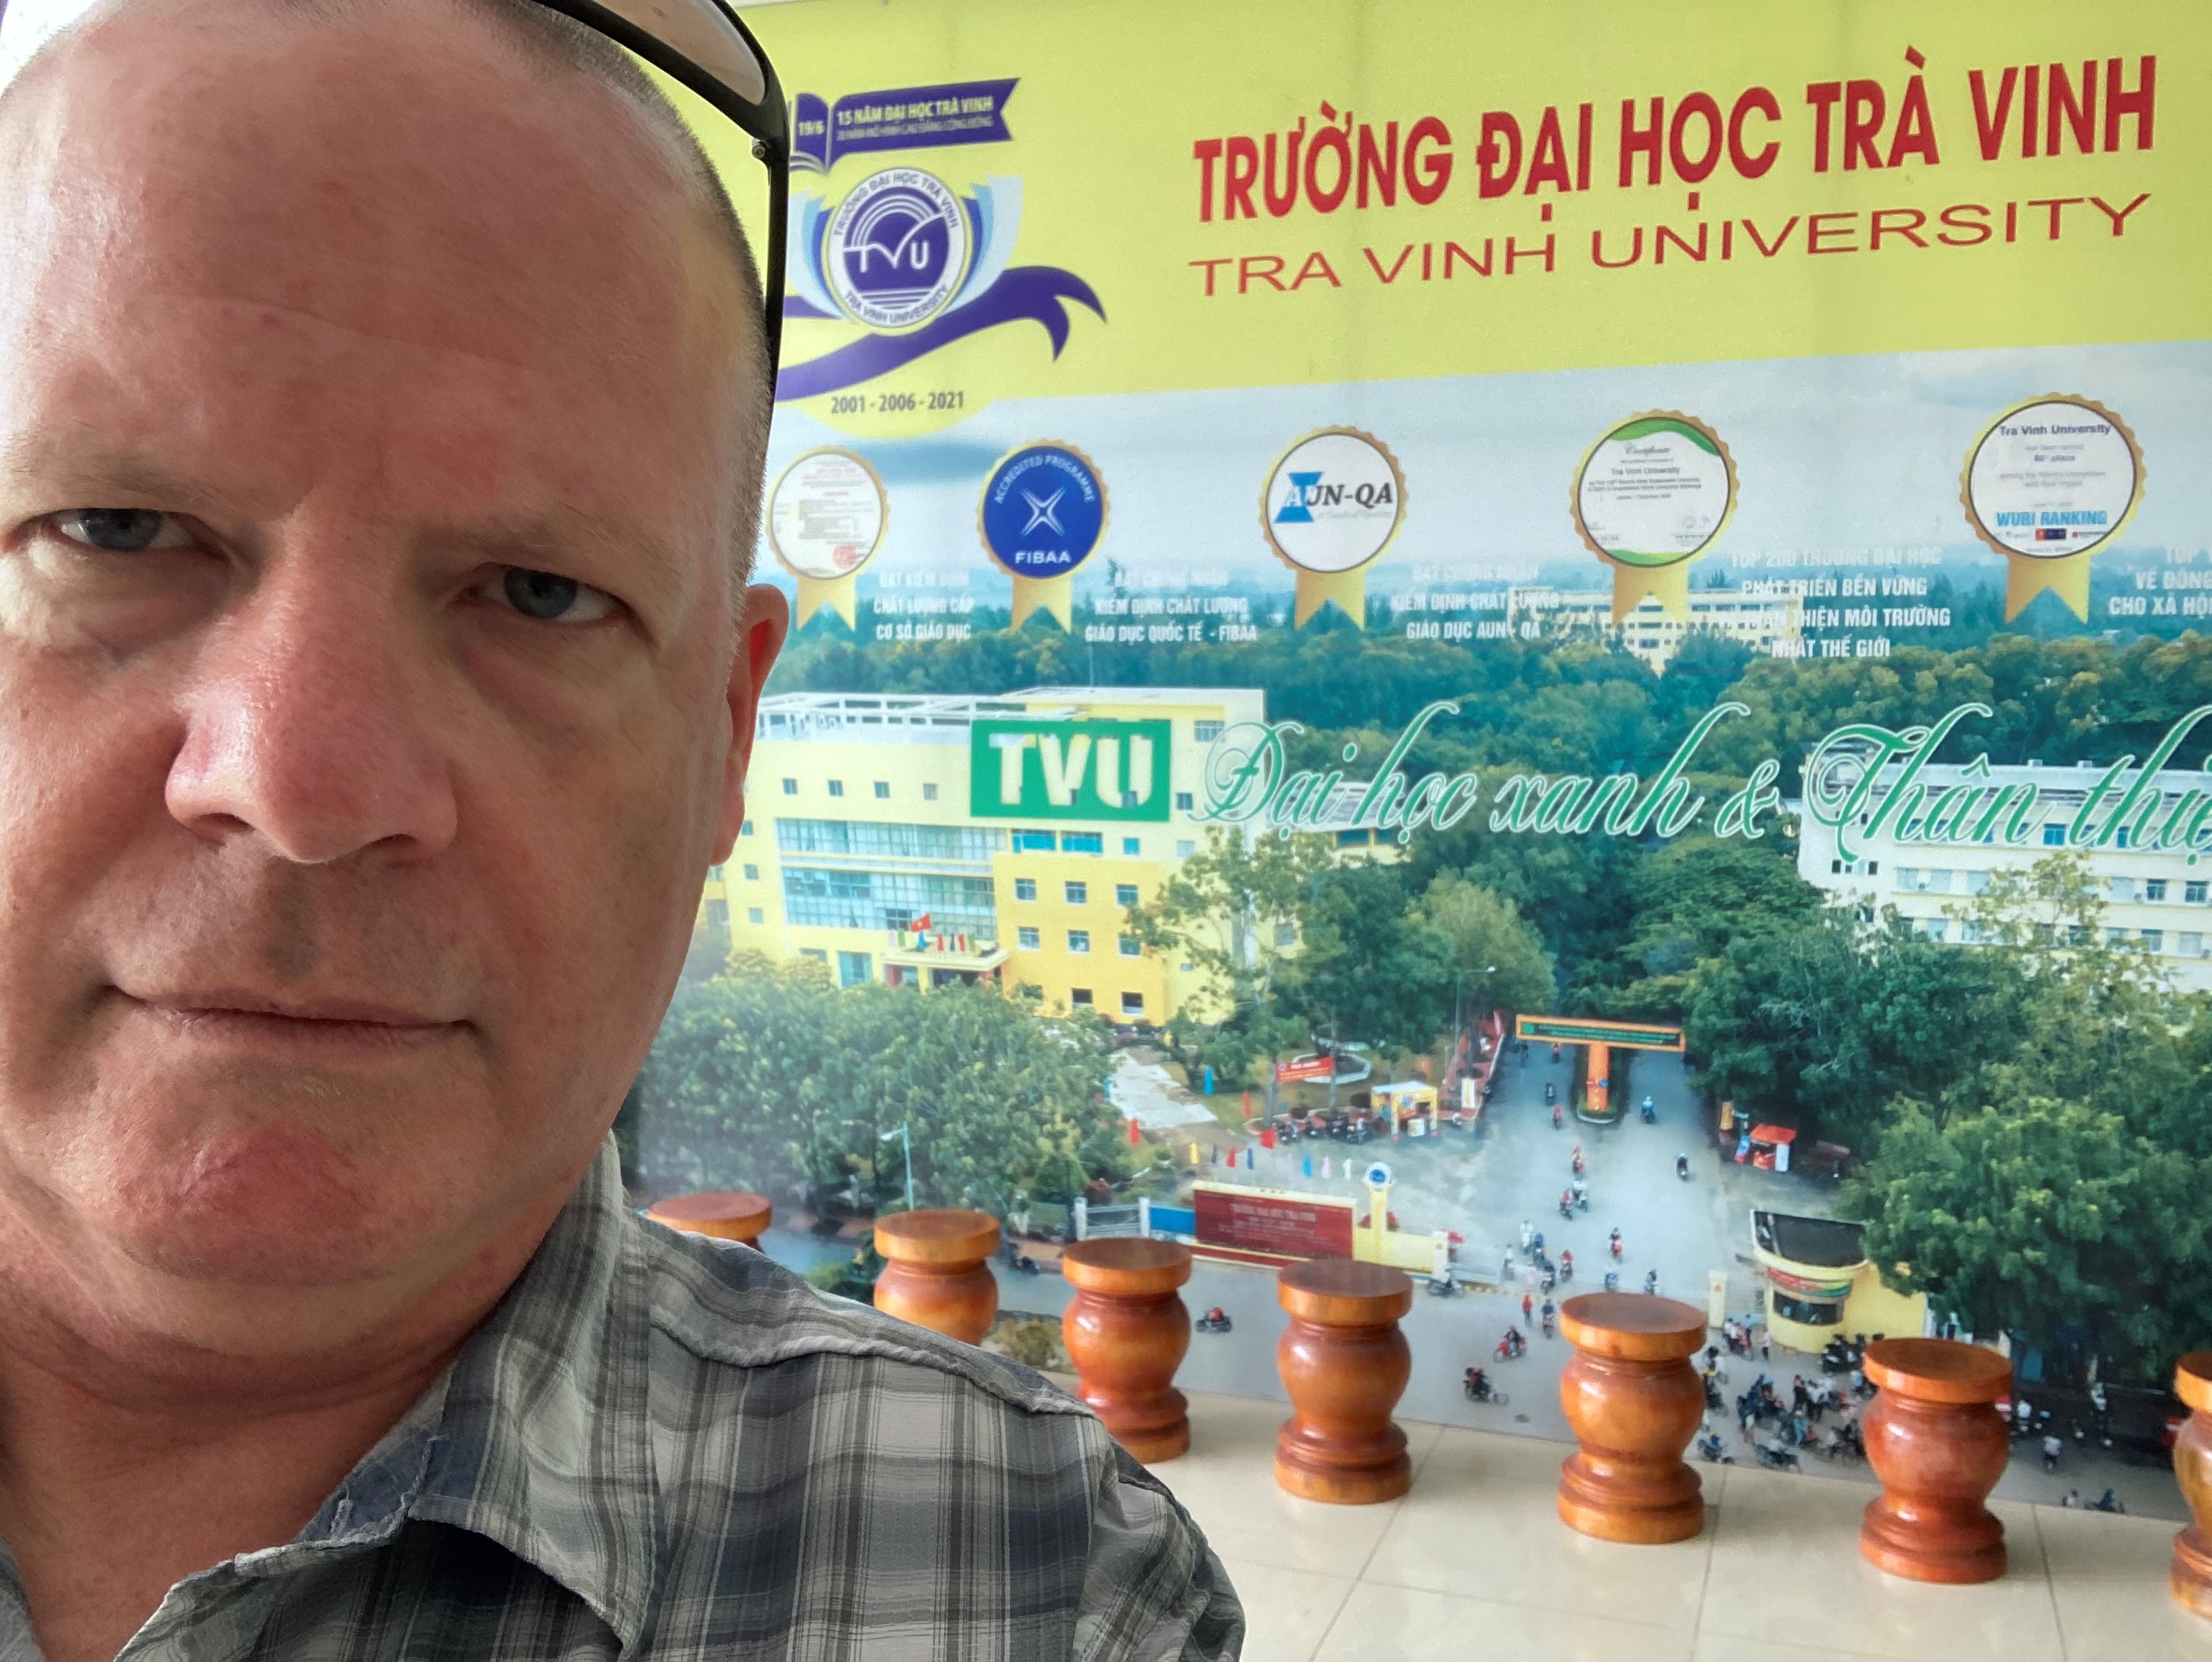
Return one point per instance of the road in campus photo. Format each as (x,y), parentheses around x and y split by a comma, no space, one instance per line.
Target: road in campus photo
(1483,1183)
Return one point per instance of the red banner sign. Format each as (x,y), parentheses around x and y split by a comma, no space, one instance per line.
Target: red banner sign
(1292,1225)
(1304,1068)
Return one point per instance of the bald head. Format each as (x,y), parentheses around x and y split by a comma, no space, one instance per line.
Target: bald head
(613,105)
(381,400)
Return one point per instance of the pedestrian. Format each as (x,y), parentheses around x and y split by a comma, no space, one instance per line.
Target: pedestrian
(1528,1233)
(1527,1306)
(1800,1398)
(1505,1268)
(1765,1347)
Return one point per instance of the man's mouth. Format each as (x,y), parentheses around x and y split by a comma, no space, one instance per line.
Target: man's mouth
(323,1024)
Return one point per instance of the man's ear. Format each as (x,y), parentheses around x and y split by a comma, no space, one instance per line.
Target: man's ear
(761,632)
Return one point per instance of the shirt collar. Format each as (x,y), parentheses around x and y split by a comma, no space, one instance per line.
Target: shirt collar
(544,1443)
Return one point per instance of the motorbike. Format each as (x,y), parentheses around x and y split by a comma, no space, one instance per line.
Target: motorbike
(1025,1264)
(1566,1266)
(1215,1320)
(1508,1347)
(1614,1246)
(1476,1384)
(1781,1459)
(1712,1449)
(2108,1501)
(1682,1167)
(1559,1116)
(1651,1115)
(1567,1206)
(1551,1280)
(1447,1287)
(1714,1400)
(1550,1092)
(1612,1281)
(1582,1200)
(1575,1163)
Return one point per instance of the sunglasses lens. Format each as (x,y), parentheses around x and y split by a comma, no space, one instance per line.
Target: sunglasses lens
(701,32)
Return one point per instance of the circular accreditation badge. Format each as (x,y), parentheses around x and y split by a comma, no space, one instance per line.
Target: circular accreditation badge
(1333,501)
(1044,511)
(1655,490)
(827,514)
(2052,478)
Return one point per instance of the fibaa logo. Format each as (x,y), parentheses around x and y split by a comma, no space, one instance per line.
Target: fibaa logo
(1069,769)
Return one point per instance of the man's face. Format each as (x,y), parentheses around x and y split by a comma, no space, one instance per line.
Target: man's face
(367,713)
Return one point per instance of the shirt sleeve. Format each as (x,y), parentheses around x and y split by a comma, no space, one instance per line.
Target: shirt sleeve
(1154,1591)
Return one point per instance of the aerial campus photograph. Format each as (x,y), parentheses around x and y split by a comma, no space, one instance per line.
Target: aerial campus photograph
(1822,1099)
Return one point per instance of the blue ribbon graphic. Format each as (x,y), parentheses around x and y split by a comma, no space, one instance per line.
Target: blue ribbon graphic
(1035,292)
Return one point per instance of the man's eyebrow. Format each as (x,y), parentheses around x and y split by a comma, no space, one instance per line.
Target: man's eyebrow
(91,471)
(563,529)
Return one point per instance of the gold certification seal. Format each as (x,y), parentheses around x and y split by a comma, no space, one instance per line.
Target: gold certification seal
(2047,483)
(826,518)
(1332,504)
(1651,495)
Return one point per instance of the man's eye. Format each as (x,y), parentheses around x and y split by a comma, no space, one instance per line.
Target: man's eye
(548,598)
(122,530)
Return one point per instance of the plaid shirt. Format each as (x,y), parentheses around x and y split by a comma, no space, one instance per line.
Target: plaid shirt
(664,1448)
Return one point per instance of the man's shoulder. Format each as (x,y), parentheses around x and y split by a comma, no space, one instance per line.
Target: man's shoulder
(730,1306)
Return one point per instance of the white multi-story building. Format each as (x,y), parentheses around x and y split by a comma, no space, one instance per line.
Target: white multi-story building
(2154,898)
(1651,632)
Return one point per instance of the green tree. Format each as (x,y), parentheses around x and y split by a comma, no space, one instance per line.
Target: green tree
(1373,971)
(1236,912)
(2040,1214)
(1498,960)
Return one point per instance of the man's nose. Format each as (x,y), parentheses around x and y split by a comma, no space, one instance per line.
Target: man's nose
(308,724)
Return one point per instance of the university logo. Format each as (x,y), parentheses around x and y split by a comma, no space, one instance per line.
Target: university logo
(896,250)
(914,262)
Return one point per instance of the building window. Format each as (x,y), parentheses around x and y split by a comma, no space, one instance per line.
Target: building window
(973,844)
(2194,893)
(1908,880)
(1185,803)
(929,793)
(755,915)
(2077,934)
(838,899)
(1131,947)
(818,954)
(714,872)
(1125,894)
(1286,934)
(1133,846)
(882,790)
(1028,940)
(1205,731)
(1184,851)
(2116,937)
(1025,888)
(2154,890)
(2121,841)
(1132,1004)
(1836,867)
(2190,943)
(836,788)
(791,788)
(2153,941)
(2122,888)
(1874,868)
(745,830)
(1034,841)
(752,874)
(1083,842)
(1079,997)
(1938,929)
(1078,894)
(854,968)
(1079,940)
(2054,837)
(1977,882)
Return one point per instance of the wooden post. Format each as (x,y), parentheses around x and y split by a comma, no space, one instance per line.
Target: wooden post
(2192,1465)
(1344,1364)
(1126,1331)
(727,1214)
(939,1273)
(1634,1402)
(1933,1437)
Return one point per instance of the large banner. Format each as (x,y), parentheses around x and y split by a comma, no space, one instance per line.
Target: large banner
(1317,525)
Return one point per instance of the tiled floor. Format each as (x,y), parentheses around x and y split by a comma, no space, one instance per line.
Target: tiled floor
(1474,1566)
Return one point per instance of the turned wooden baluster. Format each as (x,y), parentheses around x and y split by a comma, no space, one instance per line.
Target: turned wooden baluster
(1126,1332)
(1344,1364)
(1933,1437)
(938,1274)
(1634,1402)
(2192,1464)
(727,1214)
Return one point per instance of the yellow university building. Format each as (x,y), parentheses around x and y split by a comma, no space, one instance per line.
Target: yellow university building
(920,841)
